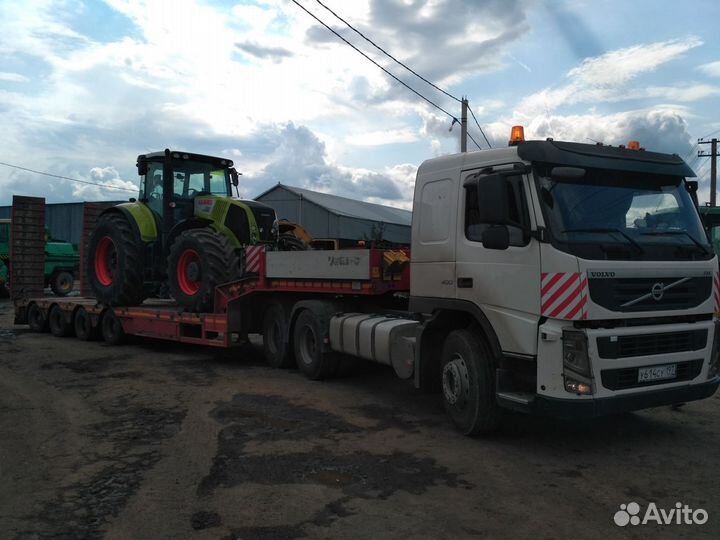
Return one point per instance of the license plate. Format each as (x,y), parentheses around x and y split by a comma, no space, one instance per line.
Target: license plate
(657,373)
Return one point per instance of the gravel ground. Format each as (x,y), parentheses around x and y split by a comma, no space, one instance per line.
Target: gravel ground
(161,441)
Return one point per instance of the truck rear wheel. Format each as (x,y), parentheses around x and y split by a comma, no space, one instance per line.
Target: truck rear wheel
(312,357)
(115,262)
(36,319)
(62,283)
(59,324)
(275,331)
(468,383)
(199,261)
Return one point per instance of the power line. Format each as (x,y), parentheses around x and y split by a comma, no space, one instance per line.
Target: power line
(374,62)
(478,125)
(66,177)
(379,48)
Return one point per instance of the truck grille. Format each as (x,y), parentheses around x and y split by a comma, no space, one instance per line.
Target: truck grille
(620,379)
(649,344)
(635,294)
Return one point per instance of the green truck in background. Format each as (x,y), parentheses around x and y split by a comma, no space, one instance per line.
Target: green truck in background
(62,262)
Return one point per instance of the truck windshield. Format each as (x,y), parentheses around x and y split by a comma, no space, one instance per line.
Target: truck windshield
(194,177)
(621,215)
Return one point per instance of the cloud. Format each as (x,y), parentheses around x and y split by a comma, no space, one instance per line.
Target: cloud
(712,69)
(382,137)
(605,78)
(12,77)
(275,54)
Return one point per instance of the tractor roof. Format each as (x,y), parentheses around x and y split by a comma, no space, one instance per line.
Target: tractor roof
(152,156)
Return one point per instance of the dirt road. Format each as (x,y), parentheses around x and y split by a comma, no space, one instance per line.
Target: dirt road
(154,441)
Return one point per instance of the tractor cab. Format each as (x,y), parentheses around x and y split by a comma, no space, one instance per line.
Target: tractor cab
(172,180)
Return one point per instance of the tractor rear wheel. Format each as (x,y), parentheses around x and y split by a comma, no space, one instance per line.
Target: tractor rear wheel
(115,262)
(199,261)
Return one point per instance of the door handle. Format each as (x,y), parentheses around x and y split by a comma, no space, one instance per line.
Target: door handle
(465,283)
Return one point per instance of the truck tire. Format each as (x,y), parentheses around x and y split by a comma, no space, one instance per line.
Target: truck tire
(115,262)
(315,360)
(58,322)
(112,328)
(62,282)
(36,319)
(199,261)
(84,329)
(275,333)
(468,383)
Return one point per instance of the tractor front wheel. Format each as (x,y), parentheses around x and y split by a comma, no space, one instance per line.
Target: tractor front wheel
(199,261)
(115,262)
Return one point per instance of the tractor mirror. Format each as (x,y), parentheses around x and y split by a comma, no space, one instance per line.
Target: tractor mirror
(234,176)
(142,166)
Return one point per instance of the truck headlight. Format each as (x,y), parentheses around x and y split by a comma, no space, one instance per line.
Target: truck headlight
(575,352)
(714,367)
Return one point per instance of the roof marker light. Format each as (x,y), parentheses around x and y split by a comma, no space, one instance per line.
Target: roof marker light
(517,134)
(633,145)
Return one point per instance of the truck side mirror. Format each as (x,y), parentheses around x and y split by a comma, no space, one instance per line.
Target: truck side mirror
(496,237)
(493,199)
(692,188)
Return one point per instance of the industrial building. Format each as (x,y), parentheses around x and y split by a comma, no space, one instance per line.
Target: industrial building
(322,214)
(330,216)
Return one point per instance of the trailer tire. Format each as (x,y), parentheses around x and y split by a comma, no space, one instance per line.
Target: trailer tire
(468,383)
(58,322)
(115,262)
(36,319)
(312,357)
(84,329)
(275,333)
(62,282)
(199,261)
(111,328)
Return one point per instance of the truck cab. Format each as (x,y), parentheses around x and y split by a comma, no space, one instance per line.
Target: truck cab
(582,272)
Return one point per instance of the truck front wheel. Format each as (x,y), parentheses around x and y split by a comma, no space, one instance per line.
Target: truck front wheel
(468,386)
(313,358)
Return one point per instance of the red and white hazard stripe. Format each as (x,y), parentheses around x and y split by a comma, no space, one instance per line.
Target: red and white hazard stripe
(563,295)
(253,256)
(716,291)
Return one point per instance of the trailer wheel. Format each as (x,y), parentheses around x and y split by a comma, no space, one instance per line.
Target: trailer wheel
(84,328)
(468,383)
(111,328)
(62,283)
(311,355)
(59,325)
(275,330)
(36,319)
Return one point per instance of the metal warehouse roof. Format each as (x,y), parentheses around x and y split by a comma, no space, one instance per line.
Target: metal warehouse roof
(343,206)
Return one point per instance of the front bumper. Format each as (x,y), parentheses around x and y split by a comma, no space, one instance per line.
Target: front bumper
(549,406)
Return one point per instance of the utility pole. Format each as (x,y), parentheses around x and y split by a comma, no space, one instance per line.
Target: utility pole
(713,166)
(463,125)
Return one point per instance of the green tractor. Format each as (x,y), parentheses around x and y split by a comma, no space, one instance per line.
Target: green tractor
(186,233)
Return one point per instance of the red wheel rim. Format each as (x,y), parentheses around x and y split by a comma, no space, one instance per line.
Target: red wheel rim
(105,261)
(188,286)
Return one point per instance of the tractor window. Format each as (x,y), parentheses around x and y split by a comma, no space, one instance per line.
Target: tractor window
(154,187)
(190,178)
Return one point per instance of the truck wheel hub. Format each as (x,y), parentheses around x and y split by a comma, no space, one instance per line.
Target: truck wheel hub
(455,381)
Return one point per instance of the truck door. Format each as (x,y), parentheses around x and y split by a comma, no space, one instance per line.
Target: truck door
(503,283)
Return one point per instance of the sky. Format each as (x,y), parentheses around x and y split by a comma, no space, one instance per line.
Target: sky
(86,86)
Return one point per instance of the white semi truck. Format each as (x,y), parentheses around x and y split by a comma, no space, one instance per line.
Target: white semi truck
(547,277)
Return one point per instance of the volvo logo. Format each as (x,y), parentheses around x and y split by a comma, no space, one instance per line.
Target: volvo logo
(657,291)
